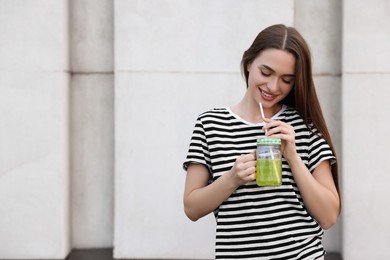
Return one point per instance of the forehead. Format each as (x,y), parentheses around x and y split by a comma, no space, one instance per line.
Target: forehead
(281,61)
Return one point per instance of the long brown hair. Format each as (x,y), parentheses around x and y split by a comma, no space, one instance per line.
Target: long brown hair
(303,96)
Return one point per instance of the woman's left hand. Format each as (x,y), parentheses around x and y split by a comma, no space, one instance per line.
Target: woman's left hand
(285,132)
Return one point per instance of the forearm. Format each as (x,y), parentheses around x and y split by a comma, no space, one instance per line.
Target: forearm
(205,200)
(320,199)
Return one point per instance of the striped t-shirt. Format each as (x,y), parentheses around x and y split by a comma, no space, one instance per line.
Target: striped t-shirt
(259,222)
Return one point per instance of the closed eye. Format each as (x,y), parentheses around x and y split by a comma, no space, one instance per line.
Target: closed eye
(264,73)
(288,80)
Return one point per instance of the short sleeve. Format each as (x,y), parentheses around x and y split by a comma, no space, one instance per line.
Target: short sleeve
(319,150)
(198,151)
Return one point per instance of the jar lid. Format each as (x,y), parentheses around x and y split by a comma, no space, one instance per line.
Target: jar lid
(268,140)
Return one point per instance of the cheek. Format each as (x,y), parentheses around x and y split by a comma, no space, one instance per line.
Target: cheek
(250,80)
(286,89)
(255,79)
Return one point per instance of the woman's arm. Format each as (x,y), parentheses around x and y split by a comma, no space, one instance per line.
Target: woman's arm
(201,198)
(318,191)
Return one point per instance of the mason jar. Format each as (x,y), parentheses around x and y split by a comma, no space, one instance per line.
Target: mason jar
(268,161)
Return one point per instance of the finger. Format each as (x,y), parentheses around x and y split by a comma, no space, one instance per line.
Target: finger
(246,168)
(278,123)
(243,162)
(266,120)
(281,129)
(247,157)
(274,124)
(249,164)
(249,174)
(284,137)
(250,170)
(270,125)
(251,177)
(240,159)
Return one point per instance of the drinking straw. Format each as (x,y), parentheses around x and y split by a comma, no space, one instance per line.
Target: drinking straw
(270,150)
(262,113)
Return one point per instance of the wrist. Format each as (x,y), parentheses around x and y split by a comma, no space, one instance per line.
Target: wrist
(231,180)
(293,158)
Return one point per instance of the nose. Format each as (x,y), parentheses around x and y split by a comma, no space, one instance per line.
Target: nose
(273,84)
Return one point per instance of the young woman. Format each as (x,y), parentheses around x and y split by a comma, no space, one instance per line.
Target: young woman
(282,222)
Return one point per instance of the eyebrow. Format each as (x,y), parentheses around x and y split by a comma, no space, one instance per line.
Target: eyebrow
(271,69)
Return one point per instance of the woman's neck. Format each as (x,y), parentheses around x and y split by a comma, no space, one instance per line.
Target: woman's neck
(250,111)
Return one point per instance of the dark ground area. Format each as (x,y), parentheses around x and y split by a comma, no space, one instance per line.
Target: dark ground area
(106,254)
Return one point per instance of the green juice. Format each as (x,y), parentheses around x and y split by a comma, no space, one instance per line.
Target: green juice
(269,172)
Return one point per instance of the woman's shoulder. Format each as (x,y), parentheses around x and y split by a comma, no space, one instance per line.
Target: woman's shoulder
(215,112)
(288,113)
(291,116)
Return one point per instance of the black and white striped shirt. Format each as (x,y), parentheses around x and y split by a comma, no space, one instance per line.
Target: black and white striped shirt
(259,222)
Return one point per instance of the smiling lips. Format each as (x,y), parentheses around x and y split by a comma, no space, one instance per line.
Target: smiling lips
(267,96)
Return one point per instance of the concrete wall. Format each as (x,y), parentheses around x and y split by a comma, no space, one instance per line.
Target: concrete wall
(34,115)
(92,122)
(98,100)
(365,108)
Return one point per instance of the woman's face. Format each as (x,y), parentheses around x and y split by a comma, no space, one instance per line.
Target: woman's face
(271,77)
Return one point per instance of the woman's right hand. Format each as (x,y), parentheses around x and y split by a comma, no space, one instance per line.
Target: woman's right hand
(244,169)
(201,198)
